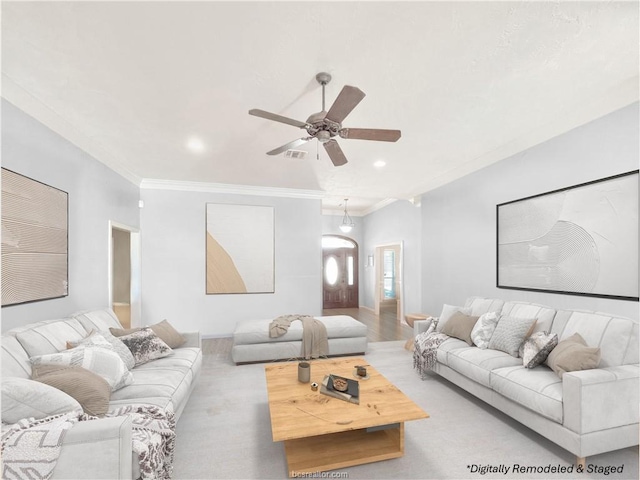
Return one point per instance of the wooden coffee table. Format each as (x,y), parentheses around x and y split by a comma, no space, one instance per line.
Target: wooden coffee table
(323,433)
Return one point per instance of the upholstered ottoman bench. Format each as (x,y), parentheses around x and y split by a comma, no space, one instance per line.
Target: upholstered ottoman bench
(251,341)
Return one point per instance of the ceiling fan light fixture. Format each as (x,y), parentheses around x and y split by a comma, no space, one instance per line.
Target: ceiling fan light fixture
(347,224)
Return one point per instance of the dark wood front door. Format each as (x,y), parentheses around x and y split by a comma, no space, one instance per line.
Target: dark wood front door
(340,278)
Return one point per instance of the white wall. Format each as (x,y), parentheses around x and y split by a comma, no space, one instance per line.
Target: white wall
(96,195)
(395,223)
(173,262)
(459,219)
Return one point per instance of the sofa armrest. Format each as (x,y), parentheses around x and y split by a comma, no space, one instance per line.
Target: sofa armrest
(192,339)
(420,326)
(601,398)
(97,449)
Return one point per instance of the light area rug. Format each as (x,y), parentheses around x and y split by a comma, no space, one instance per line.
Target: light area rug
(225,431)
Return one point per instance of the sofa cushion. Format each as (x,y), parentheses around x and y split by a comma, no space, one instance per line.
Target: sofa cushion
(101,361)
(169,384)
(449,345)
(90,390)
(14,360)
(447,312)
(480,306)
(484,328)
(106,340)
(100,319)
(477,364)
(460,326)
(257,331)
(573,354)
(24,398)
(50,337)
(535,349)
(544,315)
(145,346)
(510,333)
(538,389)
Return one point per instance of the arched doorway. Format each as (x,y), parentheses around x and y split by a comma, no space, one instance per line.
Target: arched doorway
(339,272)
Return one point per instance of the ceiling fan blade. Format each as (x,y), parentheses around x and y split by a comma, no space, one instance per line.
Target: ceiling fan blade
(335,152)
(347,100)
(377,134)
(276,118)
(287,146)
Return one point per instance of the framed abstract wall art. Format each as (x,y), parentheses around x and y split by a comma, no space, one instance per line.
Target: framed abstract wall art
(580,240)
(34,240)
(240,245)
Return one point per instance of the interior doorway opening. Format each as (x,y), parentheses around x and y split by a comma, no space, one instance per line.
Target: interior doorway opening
(339,272)
(389,294)
(124,273)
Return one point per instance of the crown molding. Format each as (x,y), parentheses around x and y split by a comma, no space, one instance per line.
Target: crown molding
(361,213)
(187,186)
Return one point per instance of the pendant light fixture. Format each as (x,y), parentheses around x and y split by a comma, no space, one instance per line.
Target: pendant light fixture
(347,224)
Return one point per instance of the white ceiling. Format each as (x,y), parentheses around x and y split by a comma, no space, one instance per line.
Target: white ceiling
(468,83)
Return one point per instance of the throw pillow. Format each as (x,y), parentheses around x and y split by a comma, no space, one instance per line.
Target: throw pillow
(101,361)
(168,334)
(573,354)
(145,346)
(447,312)
(459,326)
(120,332)
(164,330)
(535,349)
(90,390)
(510,333)
(105,339)
(484,328)
(24,398)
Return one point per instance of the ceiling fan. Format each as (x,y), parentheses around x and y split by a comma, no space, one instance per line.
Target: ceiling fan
(325,125)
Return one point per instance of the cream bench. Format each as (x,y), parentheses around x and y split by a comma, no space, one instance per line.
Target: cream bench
(251,341)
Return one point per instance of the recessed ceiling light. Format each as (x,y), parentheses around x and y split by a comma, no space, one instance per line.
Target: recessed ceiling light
(195,145)
(379,163)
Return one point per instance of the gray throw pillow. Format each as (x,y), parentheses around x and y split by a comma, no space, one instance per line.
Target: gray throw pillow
(535,349)
(573,354)
(164,330)
(510,333)
(145,346)
(459,326)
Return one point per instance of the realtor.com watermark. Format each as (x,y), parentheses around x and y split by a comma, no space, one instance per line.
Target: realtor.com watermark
(516,468)
(294,474)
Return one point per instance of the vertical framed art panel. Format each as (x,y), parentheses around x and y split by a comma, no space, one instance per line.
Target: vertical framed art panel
(580,240)
(34,240)
(240,241)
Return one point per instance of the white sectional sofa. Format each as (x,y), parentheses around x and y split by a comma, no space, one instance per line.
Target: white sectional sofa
(251,341)
(102,448)
(586,412)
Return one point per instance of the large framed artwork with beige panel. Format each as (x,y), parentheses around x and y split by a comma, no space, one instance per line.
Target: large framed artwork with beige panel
(240,249)
(34,240)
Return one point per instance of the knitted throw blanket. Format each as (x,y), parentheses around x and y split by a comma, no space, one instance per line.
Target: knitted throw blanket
(30,448)
(426,349)
(153,437)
